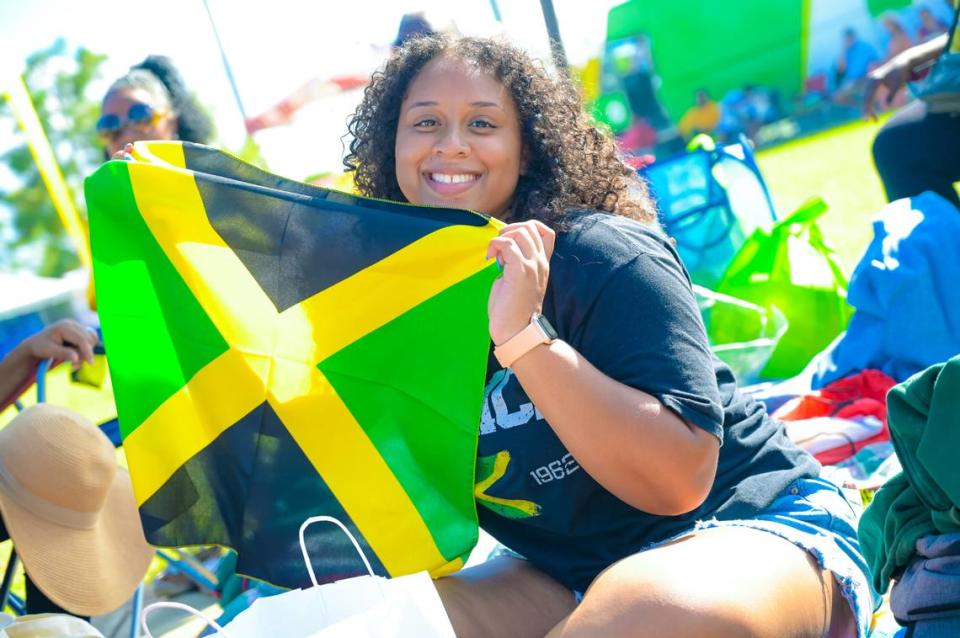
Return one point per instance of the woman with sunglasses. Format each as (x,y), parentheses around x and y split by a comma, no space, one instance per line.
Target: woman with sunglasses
(151,102)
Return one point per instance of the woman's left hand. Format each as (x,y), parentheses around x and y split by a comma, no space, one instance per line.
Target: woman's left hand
(523,250)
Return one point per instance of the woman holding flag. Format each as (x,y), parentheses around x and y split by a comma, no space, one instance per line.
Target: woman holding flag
(152,102)
(644,493)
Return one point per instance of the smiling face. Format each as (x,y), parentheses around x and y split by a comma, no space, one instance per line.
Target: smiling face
(458,139)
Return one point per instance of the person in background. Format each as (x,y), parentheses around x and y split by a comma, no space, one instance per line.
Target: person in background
(412,25)
(151,102)
(702,117)
(850,73)
(917,148)
(899,38)
(745,111)
(930,25)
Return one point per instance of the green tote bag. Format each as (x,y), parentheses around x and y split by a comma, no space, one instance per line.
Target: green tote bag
(789,268)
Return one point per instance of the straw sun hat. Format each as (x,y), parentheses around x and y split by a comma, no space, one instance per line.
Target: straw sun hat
(70,510)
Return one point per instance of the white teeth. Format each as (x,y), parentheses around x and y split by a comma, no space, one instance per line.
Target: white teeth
(443,178)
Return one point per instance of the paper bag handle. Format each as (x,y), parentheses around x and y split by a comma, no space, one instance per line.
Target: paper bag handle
(187,608)
(329,519)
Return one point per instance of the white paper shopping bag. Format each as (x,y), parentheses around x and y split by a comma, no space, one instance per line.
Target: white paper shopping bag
(411,608)
(362,607)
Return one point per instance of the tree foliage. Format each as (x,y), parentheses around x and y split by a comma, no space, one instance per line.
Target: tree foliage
(58,80)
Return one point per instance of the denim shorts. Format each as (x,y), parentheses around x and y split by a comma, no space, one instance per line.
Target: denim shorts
(813,514)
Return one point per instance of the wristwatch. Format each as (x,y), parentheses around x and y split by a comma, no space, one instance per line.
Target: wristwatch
(537,331)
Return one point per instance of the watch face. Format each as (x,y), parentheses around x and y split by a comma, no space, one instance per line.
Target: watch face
(547,328)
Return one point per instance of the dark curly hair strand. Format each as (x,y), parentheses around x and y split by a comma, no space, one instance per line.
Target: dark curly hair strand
(571,164)
(193,125)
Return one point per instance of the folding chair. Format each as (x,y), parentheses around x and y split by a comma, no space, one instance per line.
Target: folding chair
(710,199)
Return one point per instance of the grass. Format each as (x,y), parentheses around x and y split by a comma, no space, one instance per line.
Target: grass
(836,165)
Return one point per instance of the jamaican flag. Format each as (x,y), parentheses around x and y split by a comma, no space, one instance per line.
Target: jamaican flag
(280,351)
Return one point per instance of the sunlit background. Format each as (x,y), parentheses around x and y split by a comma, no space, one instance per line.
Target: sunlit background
(780,85)
(273,49)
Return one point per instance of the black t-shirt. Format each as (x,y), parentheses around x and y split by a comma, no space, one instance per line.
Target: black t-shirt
(620,297)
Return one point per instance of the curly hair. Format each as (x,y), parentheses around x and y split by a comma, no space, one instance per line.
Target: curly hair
(157,75)
(571,164)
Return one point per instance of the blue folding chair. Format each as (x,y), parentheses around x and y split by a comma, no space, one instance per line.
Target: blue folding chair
(710,199)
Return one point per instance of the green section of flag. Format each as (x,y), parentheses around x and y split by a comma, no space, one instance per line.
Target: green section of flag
(156,333)
(414,385)
(376,392)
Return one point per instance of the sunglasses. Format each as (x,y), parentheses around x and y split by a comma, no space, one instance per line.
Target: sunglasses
(140,116)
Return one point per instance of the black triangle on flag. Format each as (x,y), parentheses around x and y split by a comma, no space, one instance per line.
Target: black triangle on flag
(302,239)
(248,490)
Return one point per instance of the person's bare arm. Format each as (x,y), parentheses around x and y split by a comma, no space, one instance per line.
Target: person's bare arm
(894,74)
(626,439)
(65,340)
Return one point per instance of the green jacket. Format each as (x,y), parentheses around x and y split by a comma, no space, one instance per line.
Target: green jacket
(924,417)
